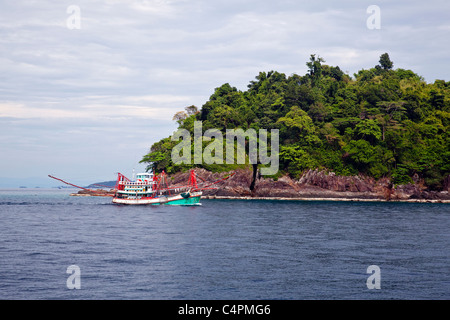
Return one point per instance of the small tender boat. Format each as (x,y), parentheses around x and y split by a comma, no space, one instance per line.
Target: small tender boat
(150,189)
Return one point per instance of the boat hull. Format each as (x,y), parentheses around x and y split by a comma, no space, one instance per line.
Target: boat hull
(177,200)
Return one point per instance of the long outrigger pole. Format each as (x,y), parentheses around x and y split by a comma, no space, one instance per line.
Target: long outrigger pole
(74,185)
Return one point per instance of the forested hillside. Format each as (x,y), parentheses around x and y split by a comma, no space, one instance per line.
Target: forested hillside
(382,122)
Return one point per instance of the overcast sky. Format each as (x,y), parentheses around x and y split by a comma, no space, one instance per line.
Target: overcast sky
(85,101)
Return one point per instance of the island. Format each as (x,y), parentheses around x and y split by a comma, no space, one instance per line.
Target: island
(381,134)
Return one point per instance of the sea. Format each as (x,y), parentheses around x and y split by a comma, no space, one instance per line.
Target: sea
(54,246)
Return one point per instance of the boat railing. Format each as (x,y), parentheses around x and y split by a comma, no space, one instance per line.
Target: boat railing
(143,183)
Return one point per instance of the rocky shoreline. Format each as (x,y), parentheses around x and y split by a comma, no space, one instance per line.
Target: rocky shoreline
(324,199)
(312,185)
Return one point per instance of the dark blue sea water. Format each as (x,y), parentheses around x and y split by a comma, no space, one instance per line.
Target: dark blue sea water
(224,249)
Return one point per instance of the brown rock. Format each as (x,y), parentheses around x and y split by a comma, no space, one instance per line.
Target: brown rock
(312,184)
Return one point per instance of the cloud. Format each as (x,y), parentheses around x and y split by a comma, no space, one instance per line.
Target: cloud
(154,107)
(109,90)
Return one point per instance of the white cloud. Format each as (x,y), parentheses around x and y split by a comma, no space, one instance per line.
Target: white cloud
(155,107)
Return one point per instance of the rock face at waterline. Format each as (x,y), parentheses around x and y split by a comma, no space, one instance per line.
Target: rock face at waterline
(312,184)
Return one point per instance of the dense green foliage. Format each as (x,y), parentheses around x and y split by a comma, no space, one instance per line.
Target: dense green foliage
(382,122)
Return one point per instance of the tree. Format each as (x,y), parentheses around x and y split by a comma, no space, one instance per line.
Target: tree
(191,110)
(369,130)
(315,68)
(224,117)
(318,111)
(180,116)
(296,159)
(392,112)
(298,119)
(385,62)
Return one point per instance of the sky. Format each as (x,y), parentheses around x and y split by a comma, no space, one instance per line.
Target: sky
(86,87)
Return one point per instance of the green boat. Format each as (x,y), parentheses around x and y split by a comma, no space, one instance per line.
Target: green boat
(150,190)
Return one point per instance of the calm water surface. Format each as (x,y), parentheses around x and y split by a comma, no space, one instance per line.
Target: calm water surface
(223,249)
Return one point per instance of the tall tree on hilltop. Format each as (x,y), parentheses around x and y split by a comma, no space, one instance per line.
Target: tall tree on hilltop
(315,68)
(385,62)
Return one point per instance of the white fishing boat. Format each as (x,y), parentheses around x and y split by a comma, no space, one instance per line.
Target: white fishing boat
(150,189)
